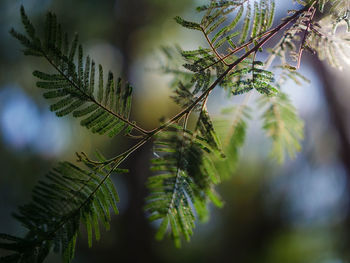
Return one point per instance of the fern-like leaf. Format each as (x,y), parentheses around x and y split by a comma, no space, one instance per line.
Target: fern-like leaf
(255,77)
(282,125)
(329,45)
(105,109)
(184,179)
(233,134)
(67,197)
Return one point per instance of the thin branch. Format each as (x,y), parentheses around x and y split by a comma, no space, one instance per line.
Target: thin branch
(212,47)
(311,10)
(237,49)
(230,67)
(122,157)
(178,171)
(118,159)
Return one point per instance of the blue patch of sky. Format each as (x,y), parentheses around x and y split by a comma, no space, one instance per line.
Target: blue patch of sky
(24,126)
(317,195)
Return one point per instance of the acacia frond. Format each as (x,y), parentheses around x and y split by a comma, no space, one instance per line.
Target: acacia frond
(66,198)
(202,63)
(170,63)
(252,77)
(183,183)
(322,37)
(204,127)
(186,163)
(329,45)
(220,26)
(256,20)
(205,130)
(183,96)
(233,135)
(338,8)
(282,125)
(105,109)
(288,72)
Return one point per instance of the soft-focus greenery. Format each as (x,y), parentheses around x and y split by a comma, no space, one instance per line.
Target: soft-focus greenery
(294,213)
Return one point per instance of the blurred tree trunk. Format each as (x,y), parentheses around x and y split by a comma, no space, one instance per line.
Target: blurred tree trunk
(336,90)
(137,239)
(131,16)
(336,97)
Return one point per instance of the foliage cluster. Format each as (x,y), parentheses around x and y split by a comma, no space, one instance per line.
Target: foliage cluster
(190,160)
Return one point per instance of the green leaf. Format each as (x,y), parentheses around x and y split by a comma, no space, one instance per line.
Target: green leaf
(283,126)
(68,195)
(246,26)
(187,24)
(185,174)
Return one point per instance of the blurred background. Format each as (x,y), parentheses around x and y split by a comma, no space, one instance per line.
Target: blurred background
(297,212)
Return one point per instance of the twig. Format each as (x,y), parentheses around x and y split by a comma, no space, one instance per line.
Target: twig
(213,48)
(122,157)
(311,9)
